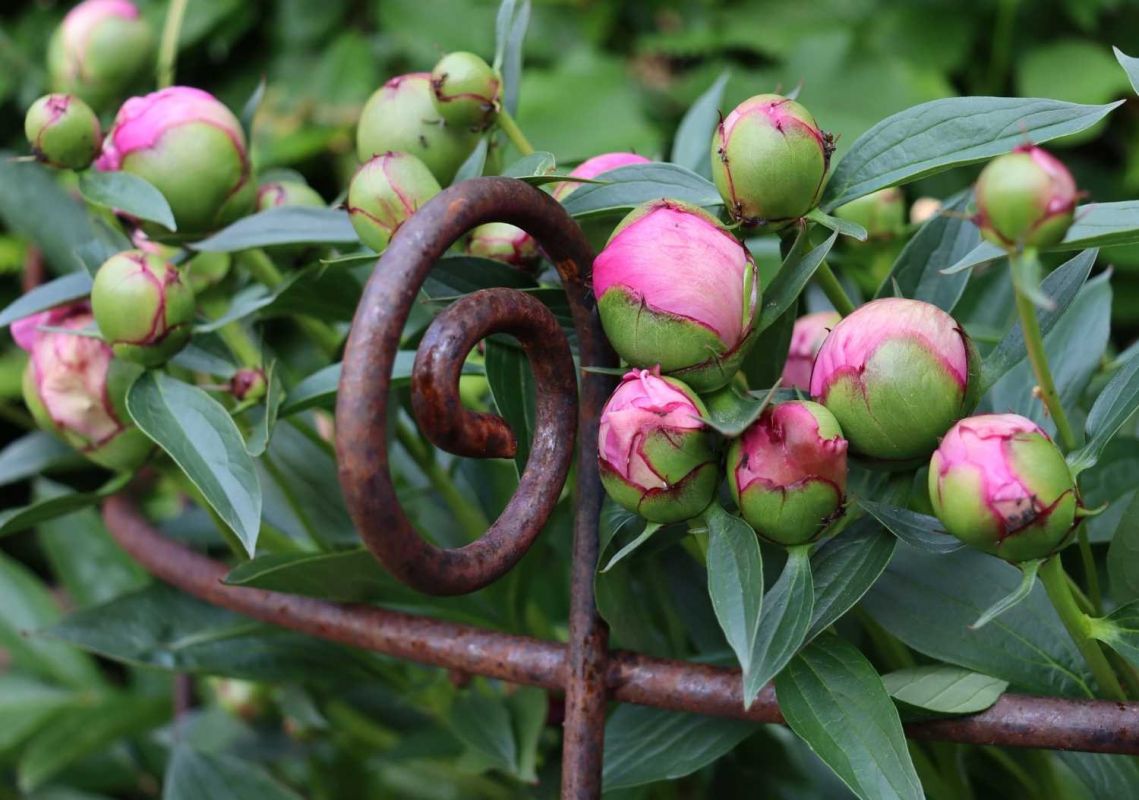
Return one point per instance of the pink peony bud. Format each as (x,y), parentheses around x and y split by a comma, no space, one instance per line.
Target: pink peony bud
(191,148)
(787,472)
(1026,198)
(384,193)
(99,50)
(807,337)
(249,384)
(506,243)
(593,167)
(75,388)
(676,289)
(655,453)
(998,483)
(896,374)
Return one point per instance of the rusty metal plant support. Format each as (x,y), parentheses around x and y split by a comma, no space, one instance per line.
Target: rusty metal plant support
(569,402)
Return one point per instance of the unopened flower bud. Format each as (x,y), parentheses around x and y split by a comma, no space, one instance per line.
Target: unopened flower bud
(248,384)
(63,131)
(896,374)
(506,243)
(401,116)
(787,472)
(677,289)
(191,148)
(655,453)
(245,700)
(143,307)
(1026,198)
(769,160)
(923,209)
(998,483)
(806,338)
(467,90)
(274,194)
(77,390)
(99,50)
(592,168)
(881,213)
(384,193)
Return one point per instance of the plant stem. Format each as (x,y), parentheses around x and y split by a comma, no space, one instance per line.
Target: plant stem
(1034,345)
(828,282)
(470,518)
(243,348)
(1076,622)
(514,133)
(168,48)
(1091,574)
(265,272)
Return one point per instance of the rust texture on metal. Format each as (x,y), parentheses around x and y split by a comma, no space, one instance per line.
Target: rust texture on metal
(362,438)
(1014,721)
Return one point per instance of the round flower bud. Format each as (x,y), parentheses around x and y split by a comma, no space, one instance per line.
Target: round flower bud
(924,209)
(191,148)
(99,50)
(143,307)
(806,338)
(63,131)
(769,159)
(787,472)
(506,243)
(467,90)
(674,288)
(998,483)
(1026,198)
(287,193)
(896,374)
(77,390)
(384,193)
(245,700)
(248,384)
(592,168)
(656,455)
(401,116)
(881,213)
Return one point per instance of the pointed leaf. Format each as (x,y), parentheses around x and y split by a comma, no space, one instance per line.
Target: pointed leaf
(475,163)
(941,241)
(735,580)
(793,276)
(14,520)
(843,226)
(1120,631)
(916,530)
(128,193)
(1130,66)
(1118,401)
(640,539)
(73,286)
(194,775)
(845,568)
(514,392)
(691,148)
(283,225)
(783,624)
(537,163)
(944,689)
(627,187)
(1015,597)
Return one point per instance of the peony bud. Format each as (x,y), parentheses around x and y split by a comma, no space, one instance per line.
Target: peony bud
(99,50)
(881,213)
(1026,198)
(656,455)
(998,483)
(676,289)
(74,387)
(924,209)
(192,148)
(593,167)
(787,472)
(248,384)
(384,193)
(769,160)
(505,243)
(896,374)
(401,116)
(245,700)
(143,307)
(63,131)
(274,194)
(806,338)
(467,91)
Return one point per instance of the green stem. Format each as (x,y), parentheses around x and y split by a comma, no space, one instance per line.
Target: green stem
(265,272)
(470,518)
(168,48)
(1002,45)
(828,282)
(1034,344)
(1077,623)
(514,133)
(1091,574)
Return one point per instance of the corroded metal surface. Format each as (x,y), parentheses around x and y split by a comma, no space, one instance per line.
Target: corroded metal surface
(1099,726)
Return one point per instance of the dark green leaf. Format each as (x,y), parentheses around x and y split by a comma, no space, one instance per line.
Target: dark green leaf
(512,386)
(981,253)
(835,701)
(1130,66)
(939,135)
(628,187)
(34,204)
(845,568)
(483,724)
(247,302)
(940,242)
(193,775)
(283,225)
(33,454)
(763,366)
(792,279)
(14,520)
(732,411)
(843,226)
(1120,631)
(783,625)
(537,163)
(1118,401)
(26,705)
(513,17)
(1015,597)
(1104,775)
(455,276)
(692,147)
(628,549)
(1123,556)
(73,286)
(318,389)
(1103,224)
(128,193)
(265,414)
(944,689)
(735,580)
(196,431)
(646,745)
(475,163)
(249,110)
(917,530)
(198,359)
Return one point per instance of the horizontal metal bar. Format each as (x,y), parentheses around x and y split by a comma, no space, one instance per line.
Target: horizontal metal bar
(1097,726)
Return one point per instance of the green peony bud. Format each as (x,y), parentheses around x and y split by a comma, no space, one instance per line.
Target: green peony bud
(384,193)
(1026,198)
(63,131)
(881,213)
(467,91)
